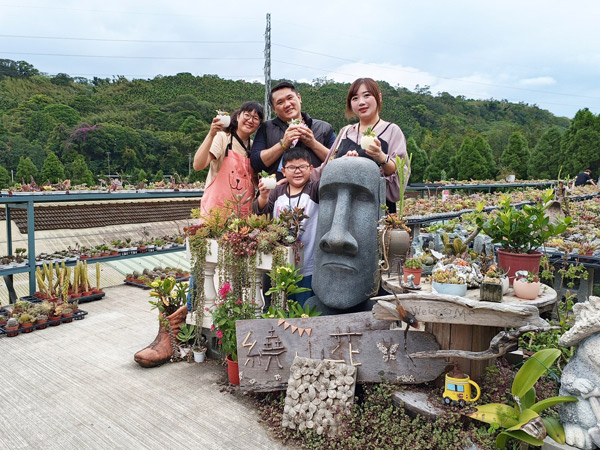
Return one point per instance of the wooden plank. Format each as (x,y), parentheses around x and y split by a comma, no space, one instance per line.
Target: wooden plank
(461,337)
(440,308)
(267,347)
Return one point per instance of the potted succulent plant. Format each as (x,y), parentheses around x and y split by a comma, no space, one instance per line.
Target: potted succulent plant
(448,281)
(395,235)
(527,285)
(521,232)
(413,266)
(26,321)
(493,285)
(12,327)
(186,334)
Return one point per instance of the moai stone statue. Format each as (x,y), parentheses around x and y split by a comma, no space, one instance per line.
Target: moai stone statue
(351,193)
(581,377)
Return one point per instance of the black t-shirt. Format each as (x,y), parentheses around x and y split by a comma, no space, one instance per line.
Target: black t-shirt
(582,179)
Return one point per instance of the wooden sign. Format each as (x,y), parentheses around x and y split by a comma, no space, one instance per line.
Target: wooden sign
(267,348)
(440,308)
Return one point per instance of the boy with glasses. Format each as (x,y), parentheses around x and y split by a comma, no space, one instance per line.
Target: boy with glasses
(296,192)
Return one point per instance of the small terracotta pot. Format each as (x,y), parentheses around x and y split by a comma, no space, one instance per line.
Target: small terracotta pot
(55,319)
(28,325)
(12,331)
(233,371)
(416,272)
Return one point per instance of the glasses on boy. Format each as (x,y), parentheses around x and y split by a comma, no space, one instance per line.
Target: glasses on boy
(301,167)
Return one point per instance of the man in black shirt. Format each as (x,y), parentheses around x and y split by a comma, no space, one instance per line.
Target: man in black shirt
(584,178)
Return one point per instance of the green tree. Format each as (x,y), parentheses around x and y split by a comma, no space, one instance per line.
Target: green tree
(419,163)
(545,157)
(26,169)
(516,156)
(580,143)
(142,176)
(4,178)
(80,173)
(484,149)
(52,169)
(130,159)
(440,161)
(160,176)
(470,162)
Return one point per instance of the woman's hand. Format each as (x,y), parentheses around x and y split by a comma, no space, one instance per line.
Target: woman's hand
(216,126)
(375,152)
(351,153)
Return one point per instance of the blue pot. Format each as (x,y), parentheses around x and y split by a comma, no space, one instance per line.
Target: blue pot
(450,289)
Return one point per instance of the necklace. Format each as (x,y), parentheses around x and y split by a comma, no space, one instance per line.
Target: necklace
(289,193)
(358,131)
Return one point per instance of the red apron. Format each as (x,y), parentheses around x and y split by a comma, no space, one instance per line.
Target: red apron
(234,177)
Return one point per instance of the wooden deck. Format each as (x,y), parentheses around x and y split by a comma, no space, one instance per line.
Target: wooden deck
(76,386)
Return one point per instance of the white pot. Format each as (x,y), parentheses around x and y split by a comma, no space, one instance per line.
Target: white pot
(269,182)
(505,285)
(510,178)
(225,120)
(366,141)
(183,351)
(199,356)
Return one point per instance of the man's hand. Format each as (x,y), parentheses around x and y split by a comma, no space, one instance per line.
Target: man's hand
(263,196)
(291,134)
(307,136)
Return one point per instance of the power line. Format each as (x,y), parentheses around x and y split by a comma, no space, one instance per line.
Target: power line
(127,40)
(132,57)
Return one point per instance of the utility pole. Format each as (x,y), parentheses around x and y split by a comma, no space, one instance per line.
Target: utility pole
(268,67)
(189,165)
(108,159)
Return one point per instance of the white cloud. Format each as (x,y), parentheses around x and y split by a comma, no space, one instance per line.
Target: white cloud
(538,81)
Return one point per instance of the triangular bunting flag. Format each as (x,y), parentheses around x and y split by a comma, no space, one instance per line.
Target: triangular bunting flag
(300,331)
(294,329)
(308,331)
(280,322)
(286,326)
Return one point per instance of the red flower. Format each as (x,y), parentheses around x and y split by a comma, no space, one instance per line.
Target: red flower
(225,289)
(219,334)
(212,327)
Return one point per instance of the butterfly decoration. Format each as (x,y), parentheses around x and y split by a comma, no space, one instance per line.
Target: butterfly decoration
(389,352)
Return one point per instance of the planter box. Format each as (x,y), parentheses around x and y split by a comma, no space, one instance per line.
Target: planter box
(264,261)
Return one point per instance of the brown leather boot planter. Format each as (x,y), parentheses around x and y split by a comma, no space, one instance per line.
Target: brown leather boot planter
(161,350)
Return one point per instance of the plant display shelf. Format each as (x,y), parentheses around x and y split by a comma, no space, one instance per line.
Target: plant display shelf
(490,187)
(25,200)
(82,299)
(78,315)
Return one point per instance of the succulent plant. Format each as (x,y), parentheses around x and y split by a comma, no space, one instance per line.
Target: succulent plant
(12,322)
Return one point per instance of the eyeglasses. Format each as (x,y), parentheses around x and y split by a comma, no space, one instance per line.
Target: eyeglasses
(301,167)
(250,118)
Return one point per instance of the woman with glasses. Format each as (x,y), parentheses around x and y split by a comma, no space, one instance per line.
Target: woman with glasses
(364,101)
(226,150)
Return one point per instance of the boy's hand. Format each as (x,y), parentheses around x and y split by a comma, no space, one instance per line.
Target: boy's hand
(263,192)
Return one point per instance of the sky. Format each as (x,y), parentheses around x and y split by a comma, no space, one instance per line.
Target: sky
(543,53)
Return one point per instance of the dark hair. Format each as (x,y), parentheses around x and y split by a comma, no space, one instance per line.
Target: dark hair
(588,170)
(246,107)
(281,85)
(295,153)
(372,88)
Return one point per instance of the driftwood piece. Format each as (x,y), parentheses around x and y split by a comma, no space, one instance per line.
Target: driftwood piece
(267,347)
(502,343)
(441,308)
